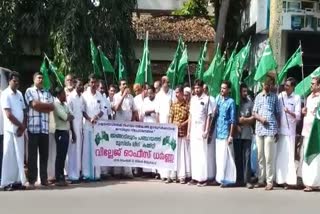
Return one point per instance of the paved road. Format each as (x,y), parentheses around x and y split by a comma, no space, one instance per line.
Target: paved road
(140,196)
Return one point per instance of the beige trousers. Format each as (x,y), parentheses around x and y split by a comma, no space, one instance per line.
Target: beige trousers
(266,146)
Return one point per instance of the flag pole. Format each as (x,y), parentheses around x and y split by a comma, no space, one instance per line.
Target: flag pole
(282,99)
(302,74)
(189,75)
(103,71)
(146,67)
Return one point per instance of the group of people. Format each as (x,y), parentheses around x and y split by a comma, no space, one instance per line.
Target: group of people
(214,135)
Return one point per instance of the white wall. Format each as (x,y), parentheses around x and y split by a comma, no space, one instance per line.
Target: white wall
(164,51)
(160,4)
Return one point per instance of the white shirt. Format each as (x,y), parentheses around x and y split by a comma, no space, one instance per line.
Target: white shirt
(164,101)
(293,104)
(200,108)
(93,104)
(107,108)
(138,102)
(124,113)
(312,103)
(149,105)
(14,102)
(76,105)
(213,103)
(1,117)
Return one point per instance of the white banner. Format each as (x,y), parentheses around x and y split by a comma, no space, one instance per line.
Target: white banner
(135,144)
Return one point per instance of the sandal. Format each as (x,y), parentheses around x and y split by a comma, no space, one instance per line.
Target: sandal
(308,189)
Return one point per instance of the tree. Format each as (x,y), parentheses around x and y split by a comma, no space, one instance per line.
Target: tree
(228,20)
(193,8)
(65,28)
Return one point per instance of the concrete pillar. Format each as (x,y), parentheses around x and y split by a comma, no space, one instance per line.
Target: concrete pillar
(275,32)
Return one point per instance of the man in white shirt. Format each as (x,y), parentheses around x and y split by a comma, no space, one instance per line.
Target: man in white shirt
(1,136)
(125,111)
(164,98)
(92,111)
(198,130)
(310,173)
(148,115)
(138,99)
(290,112)
(76,105)
(211,139)
(69,84)
(111,92)
(15,121)
(107,112)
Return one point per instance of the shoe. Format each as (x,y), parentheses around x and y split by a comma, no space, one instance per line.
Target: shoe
(168,181)
(8,188)
(45,183)
(163,179)
(259,185)
(191,183)
(269,187)
(249,186)
(308,189)
(182,181)
(202,184)
(74,182)
(61,184)
(30,186)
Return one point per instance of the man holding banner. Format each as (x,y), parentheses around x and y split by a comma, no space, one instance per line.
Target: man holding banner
(164,99)
(93,106)
(125,111)
(179,114)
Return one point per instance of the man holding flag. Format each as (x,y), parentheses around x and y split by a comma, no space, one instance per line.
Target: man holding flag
(290,112)
(311,163)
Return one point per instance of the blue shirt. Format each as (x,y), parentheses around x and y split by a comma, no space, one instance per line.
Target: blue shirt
(267,106)
(225,116)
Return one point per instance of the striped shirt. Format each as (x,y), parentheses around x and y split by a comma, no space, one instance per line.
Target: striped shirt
(267,106)
(38,122)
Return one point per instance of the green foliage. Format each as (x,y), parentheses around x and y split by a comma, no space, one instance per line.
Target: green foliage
(193,8)
(64,28)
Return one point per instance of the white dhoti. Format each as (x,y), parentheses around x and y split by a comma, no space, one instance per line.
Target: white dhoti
(13,159)
(199,153)
(285,161)
(310,173)
(226,167)
(212,158)
(74,152)
(183,159)
(89,170)
(51,157)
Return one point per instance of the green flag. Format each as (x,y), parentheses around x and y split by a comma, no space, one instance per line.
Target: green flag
(106,65)
(183,63)
(201,62)
(267,63)
(172,71)
(59,76)
(313,146)
(122,72)
(229,64)
(303,88)
(213,76)
(144,74)
(45,72)
(237,70)
(94,58)
(295,60)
